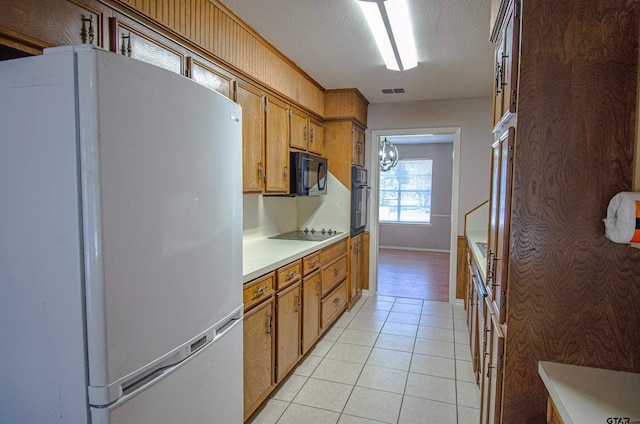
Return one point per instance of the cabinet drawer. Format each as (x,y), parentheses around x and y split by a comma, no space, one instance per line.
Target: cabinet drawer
(331,253)
(333,304)
(333,273)
(288,274)
(310,263)
(257,290)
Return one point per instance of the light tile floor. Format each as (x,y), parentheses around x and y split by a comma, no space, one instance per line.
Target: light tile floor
(388,360)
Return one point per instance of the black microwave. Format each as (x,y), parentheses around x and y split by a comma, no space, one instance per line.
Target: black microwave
(308,174)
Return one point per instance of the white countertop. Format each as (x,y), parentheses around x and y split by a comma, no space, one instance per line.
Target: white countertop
(472,238)
(585,395)
(262,256)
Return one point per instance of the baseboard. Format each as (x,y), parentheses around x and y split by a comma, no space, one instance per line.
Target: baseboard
(417,249)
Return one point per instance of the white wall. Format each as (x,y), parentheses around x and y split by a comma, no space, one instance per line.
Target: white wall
(436,235)
(473,116)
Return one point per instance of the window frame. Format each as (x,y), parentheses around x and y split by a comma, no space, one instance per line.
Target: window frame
(400,191)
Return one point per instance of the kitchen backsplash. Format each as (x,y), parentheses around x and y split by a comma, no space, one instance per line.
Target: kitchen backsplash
(265,216)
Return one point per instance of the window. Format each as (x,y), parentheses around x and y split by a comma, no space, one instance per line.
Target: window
(405,192)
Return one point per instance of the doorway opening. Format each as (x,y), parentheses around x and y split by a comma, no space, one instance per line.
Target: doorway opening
(414,215)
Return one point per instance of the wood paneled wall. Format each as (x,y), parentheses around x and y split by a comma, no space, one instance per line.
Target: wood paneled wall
(213,27)
(346,104)
(574,296)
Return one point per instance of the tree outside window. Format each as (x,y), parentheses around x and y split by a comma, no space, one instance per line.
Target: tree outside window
(405,192)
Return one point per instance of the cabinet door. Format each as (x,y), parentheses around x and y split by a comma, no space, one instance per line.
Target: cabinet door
(253,119)
(506,64)
(288,308)
(277,147)
(141,44)
(358,146)
(310,310)
(316,137)
(258,355)
(502,231)
(52,23)
(510,58)
(209,76)
(354,268)
(498,82)
(299,130)
(492,373)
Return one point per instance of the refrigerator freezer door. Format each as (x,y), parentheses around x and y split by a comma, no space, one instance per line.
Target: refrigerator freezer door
(205,389)
(162,210)
(42,356)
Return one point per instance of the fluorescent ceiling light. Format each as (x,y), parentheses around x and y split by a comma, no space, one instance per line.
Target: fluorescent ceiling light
(391,27)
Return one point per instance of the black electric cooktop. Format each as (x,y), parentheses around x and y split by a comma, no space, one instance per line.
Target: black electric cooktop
(308,235)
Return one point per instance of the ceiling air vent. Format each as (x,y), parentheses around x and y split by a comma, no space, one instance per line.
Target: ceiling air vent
(393,90)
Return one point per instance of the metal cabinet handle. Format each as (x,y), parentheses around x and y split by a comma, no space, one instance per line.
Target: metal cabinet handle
(125,49)
(90,33)
(270,330)
(260,291)
(318,286)
(297,303)
(305,133)
(314,262)
(259,171)
(336,300)
(337,270)
(291,274)
(286,174)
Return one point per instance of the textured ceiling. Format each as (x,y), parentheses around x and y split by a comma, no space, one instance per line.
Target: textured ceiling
(330,41)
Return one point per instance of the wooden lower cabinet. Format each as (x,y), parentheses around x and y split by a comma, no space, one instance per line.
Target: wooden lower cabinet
(553,417)
(286,312)
(333,305)
(258,355)
(356,269)
(288,320)
(310,310)
(492,369)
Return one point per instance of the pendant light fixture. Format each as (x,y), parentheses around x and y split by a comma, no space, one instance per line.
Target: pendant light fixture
(388,154)
(391,27)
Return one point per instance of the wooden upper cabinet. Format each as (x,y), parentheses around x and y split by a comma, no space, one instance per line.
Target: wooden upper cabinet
(316,137)
(500,221)
(51,23)
(506,64)
(277,147)
(306,133)
(210,76)
(136,42)
(299,130)
(357,156)
(253,135)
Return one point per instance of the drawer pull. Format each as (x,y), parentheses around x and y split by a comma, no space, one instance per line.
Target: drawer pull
(336,271)
(291,274)
(260,291)
(314,262)
(336,300)
(270,330)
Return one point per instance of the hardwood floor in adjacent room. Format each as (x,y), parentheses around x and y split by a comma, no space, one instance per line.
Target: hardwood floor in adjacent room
(415,274)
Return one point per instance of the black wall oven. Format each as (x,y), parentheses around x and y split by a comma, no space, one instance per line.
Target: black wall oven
(359,199)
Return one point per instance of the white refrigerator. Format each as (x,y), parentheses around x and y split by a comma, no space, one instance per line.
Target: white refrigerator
(120,244)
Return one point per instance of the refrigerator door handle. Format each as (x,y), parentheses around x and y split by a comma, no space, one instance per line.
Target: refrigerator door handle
(227,324)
